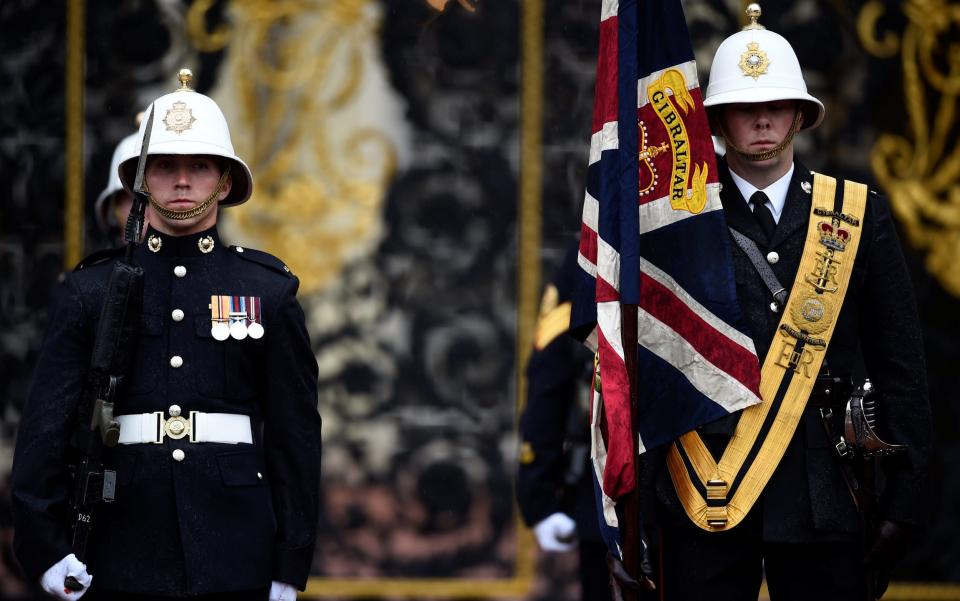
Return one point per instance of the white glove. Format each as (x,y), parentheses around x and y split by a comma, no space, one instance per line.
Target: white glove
(52,580)
(556,532)
(281,591)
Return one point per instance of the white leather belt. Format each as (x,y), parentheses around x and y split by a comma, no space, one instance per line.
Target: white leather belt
(228,428)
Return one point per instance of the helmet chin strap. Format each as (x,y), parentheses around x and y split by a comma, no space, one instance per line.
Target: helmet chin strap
(197,210)
(766,154)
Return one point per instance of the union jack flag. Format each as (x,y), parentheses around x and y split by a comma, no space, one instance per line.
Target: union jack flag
(654,238)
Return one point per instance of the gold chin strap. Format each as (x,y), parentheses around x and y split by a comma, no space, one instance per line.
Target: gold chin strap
(197,210)
(766,154)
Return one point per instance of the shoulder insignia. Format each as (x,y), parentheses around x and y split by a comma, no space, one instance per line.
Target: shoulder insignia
(101,256)
(549,300)
(527,455)
(552,324)
(263,258)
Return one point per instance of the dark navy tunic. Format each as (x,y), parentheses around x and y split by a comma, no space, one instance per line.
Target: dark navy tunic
(806,499)
(552,424)
(224,517)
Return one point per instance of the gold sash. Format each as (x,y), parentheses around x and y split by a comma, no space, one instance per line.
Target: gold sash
(715,496)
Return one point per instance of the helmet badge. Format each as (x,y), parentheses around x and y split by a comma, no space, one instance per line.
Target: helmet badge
(754,62)
(179,117)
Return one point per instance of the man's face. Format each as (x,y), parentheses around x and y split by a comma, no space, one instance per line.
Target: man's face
(759,126)
(121,205)
(180,183)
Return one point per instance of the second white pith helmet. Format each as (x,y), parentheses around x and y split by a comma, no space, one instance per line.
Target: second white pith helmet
(187,122)
(758,65)
(102,207)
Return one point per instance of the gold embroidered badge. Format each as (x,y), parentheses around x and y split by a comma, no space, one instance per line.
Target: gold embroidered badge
(833,236)
(527,456)
(813,314)
(754,62)
(179,118)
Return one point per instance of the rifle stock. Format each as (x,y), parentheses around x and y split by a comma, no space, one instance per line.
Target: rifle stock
(113,348)
(116,338)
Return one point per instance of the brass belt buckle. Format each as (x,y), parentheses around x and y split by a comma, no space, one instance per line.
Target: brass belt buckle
(176,427)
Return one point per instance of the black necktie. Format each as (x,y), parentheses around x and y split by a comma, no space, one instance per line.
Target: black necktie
(763,215)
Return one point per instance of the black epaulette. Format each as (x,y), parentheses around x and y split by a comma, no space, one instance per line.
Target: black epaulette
(263,258)
(101,256)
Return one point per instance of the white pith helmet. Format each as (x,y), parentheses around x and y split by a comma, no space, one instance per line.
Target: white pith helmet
(758,65)
(124,149)
(187,122)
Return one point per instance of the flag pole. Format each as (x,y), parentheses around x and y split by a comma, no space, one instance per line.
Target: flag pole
(632,543)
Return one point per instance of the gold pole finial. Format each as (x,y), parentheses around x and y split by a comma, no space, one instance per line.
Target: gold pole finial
(186,77)
(754,12)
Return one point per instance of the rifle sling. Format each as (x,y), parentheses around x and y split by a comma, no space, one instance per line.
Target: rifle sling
(750,248)
(718,495)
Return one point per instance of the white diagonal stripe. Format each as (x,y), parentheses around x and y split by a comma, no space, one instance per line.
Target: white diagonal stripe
(660,213)
(608,263)
(609,9)
(605,139)
(683,296)
(591,211)
(710,380)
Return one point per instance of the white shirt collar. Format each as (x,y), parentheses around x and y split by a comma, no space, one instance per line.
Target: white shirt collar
(776,192)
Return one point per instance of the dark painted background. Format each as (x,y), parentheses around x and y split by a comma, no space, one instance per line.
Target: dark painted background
(448,263)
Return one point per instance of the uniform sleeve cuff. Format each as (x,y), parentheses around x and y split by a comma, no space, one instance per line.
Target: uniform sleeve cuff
(35,561)
(292,565)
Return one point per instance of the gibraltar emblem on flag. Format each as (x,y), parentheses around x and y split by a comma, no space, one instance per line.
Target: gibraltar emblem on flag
(654,241)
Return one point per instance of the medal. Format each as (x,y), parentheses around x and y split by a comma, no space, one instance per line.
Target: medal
(238,330)
(220,330)
(238,318)
(255,329)
(219,309)
(235,317)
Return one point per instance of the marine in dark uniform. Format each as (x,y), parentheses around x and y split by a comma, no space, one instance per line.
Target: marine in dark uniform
(554,478)
(113,204)
(219,455)
(804,532)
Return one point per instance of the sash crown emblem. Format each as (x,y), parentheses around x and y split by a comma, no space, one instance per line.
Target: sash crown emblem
(832,237)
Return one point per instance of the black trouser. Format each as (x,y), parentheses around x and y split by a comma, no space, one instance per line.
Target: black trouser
(729,566)
(254,595)
(594,575)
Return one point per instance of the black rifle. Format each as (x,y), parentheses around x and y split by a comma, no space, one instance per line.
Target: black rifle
(113,349)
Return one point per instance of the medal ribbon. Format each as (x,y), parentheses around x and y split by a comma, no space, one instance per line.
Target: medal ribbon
(229,309)
(254,313)
(219,312)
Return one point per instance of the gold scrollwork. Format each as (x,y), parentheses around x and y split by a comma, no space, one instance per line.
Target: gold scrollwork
(920,174)
(197,32)
(296,75)
(885,47)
